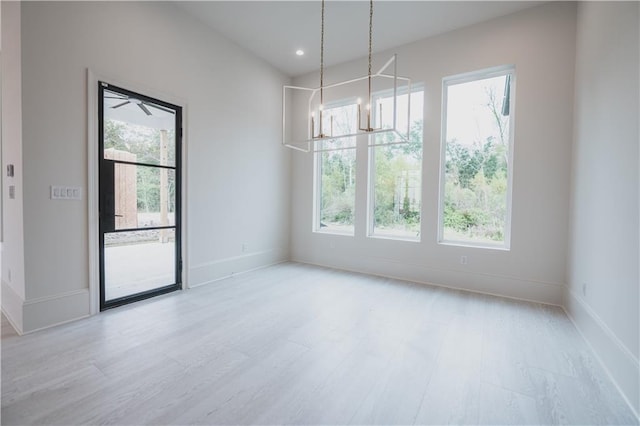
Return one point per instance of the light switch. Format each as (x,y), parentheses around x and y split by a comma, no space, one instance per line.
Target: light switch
(66,192)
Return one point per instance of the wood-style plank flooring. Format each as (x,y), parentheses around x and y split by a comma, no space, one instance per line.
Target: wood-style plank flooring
(297,344)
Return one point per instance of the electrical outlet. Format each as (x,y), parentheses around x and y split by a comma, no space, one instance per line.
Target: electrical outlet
(245,247)
(332,245)
(463,260)
(584,289)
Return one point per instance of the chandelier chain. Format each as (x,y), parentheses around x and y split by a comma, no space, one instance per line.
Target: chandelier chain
(322,53)
(370,33)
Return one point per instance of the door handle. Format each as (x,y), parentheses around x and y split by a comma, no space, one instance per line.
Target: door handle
(118,215)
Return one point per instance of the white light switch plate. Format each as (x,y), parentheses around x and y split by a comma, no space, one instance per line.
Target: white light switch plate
(66,192)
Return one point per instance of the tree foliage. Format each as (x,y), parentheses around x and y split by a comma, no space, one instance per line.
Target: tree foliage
(398,178)
(338,187)
(476,182)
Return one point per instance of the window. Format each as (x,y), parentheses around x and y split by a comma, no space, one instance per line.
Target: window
(396,173)
(475,196)
(336,173)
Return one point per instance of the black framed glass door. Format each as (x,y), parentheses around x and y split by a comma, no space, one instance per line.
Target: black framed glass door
(140,180)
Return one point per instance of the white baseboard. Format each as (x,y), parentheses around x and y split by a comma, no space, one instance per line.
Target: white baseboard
(492,284)
(27,316)
(209,272)
(37,314)
(49,311)
(12,306)
(616,359)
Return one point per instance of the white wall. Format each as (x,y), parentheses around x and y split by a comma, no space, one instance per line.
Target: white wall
(540,42)
(13,282)
(604,254)
(236,171)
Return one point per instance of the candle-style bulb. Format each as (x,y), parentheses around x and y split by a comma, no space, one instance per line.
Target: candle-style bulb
(359,101)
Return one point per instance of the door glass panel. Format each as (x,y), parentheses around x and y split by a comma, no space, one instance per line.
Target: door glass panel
(144,196)
(139,190)
(138,131)
(138,261)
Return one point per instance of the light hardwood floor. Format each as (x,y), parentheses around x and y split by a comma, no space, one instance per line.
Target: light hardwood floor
(297,344)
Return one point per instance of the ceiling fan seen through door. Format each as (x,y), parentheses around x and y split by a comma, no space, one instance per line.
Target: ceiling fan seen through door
(141,104)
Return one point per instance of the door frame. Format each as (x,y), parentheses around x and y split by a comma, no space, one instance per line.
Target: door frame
(106,183)
(93,189)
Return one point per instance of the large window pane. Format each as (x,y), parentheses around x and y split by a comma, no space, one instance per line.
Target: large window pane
(336,190)
(475,206)
(397,174)
(336,171)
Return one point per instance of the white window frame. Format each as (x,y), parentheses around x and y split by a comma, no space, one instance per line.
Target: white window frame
(371,193)
(486,73)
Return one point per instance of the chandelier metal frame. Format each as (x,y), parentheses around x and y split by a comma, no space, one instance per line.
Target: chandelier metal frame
(310,140)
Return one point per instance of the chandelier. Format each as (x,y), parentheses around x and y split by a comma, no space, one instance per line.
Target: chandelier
(314,129)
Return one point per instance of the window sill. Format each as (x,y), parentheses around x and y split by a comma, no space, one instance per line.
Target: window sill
(333,232)
(394,238)
(469,244)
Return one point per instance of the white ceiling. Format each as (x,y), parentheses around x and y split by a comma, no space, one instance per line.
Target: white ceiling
(274,30)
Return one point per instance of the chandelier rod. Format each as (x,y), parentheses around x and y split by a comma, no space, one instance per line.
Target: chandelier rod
(370,42)
(370,107)
(322,57)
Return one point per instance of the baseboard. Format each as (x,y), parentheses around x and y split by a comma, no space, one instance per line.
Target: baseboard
(12,306)
(491,284)
(209,272)
(49,311)
(615,358)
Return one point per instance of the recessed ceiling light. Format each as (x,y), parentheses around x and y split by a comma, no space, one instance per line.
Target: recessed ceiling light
(299,52)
